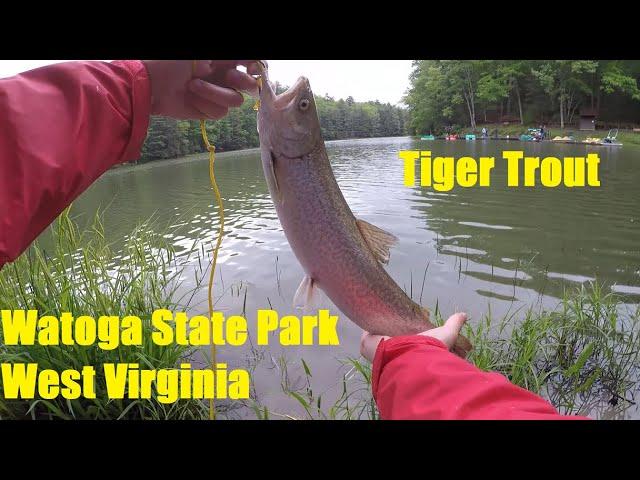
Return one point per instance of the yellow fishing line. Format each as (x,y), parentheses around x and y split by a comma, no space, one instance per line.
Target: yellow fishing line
(214,261)
(216,191)
(212,178)
(256,106)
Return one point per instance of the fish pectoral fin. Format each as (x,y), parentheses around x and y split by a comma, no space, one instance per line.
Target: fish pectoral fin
(378,240)
(307,295)
(274,179)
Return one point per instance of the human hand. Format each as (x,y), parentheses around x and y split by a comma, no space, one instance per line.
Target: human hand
(208,93)
(447,334)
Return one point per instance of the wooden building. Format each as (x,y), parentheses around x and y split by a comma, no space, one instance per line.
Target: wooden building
(587,119)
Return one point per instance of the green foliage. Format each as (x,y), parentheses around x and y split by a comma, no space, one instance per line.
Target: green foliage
(82,275)
(339,119)
(582,356)
(615,79)
(460,92)
(351,401)
(493,87)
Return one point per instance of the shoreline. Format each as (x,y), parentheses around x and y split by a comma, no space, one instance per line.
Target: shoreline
(219,155)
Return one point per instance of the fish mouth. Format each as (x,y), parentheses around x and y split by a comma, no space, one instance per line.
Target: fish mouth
(268,97)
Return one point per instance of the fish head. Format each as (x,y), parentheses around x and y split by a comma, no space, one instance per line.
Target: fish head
(288,123)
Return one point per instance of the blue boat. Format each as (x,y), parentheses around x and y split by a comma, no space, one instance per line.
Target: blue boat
(532,135)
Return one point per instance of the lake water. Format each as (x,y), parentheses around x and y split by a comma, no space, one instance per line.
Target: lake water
(492,248)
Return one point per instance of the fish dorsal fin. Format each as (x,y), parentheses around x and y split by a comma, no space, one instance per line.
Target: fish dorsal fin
(307,295)
(378,240)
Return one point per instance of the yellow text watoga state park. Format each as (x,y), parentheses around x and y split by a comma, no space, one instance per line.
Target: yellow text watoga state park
(442,173)
(128,380)
(20,327)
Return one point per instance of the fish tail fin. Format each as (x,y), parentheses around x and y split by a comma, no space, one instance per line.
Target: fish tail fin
(462,347)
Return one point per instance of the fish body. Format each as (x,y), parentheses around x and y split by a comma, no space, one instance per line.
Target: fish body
(340,254)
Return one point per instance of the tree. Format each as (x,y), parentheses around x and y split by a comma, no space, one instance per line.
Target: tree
(614,78)
(169,138)
(163,139)
(427,98)
(451,92)
(565,80)
(512,72)
(494,85)
(462,78)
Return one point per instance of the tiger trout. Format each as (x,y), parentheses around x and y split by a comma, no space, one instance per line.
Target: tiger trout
(340,254)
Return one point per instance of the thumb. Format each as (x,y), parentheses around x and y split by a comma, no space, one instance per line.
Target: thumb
(369,344)
(451,328)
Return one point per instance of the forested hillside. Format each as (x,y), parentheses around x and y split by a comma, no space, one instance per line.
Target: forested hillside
(463,93)
(169,138)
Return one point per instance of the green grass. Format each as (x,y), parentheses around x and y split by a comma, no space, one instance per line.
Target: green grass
(83,275)
(626,137)
(353,400)
(583,355)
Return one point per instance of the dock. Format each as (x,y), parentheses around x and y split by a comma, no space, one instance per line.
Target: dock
(516,139)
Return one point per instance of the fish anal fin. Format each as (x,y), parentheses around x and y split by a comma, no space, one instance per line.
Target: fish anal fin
(307,294)
(378,240)
(462,347)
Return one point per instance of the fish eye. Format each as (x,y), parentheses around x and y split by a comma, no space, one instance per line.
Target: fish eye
(304,104)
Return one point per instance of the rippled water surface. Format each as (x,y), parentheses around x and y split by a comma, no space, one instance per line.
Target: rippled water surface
(476,248)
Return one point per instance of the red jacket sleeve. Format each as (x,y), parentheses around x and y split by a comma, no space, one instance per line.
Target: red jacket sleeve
(417,378)
(61,127)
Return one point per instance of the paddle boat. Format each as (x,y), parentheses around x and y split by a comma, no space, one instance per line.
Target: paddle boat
(532,135)
(565,139)
(611,139)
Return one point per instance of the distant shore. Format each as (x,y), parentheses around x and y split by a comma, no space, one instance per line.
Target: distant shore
(625,136)
(219,154)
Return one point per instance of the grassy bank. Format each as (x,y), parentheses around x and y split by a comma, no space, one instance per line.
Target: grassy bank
(81,276)
(583,356)
(626,137)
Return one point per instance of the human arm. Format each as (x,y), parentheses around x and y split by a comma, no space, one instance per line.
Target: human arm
(64,125)
(416,377)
